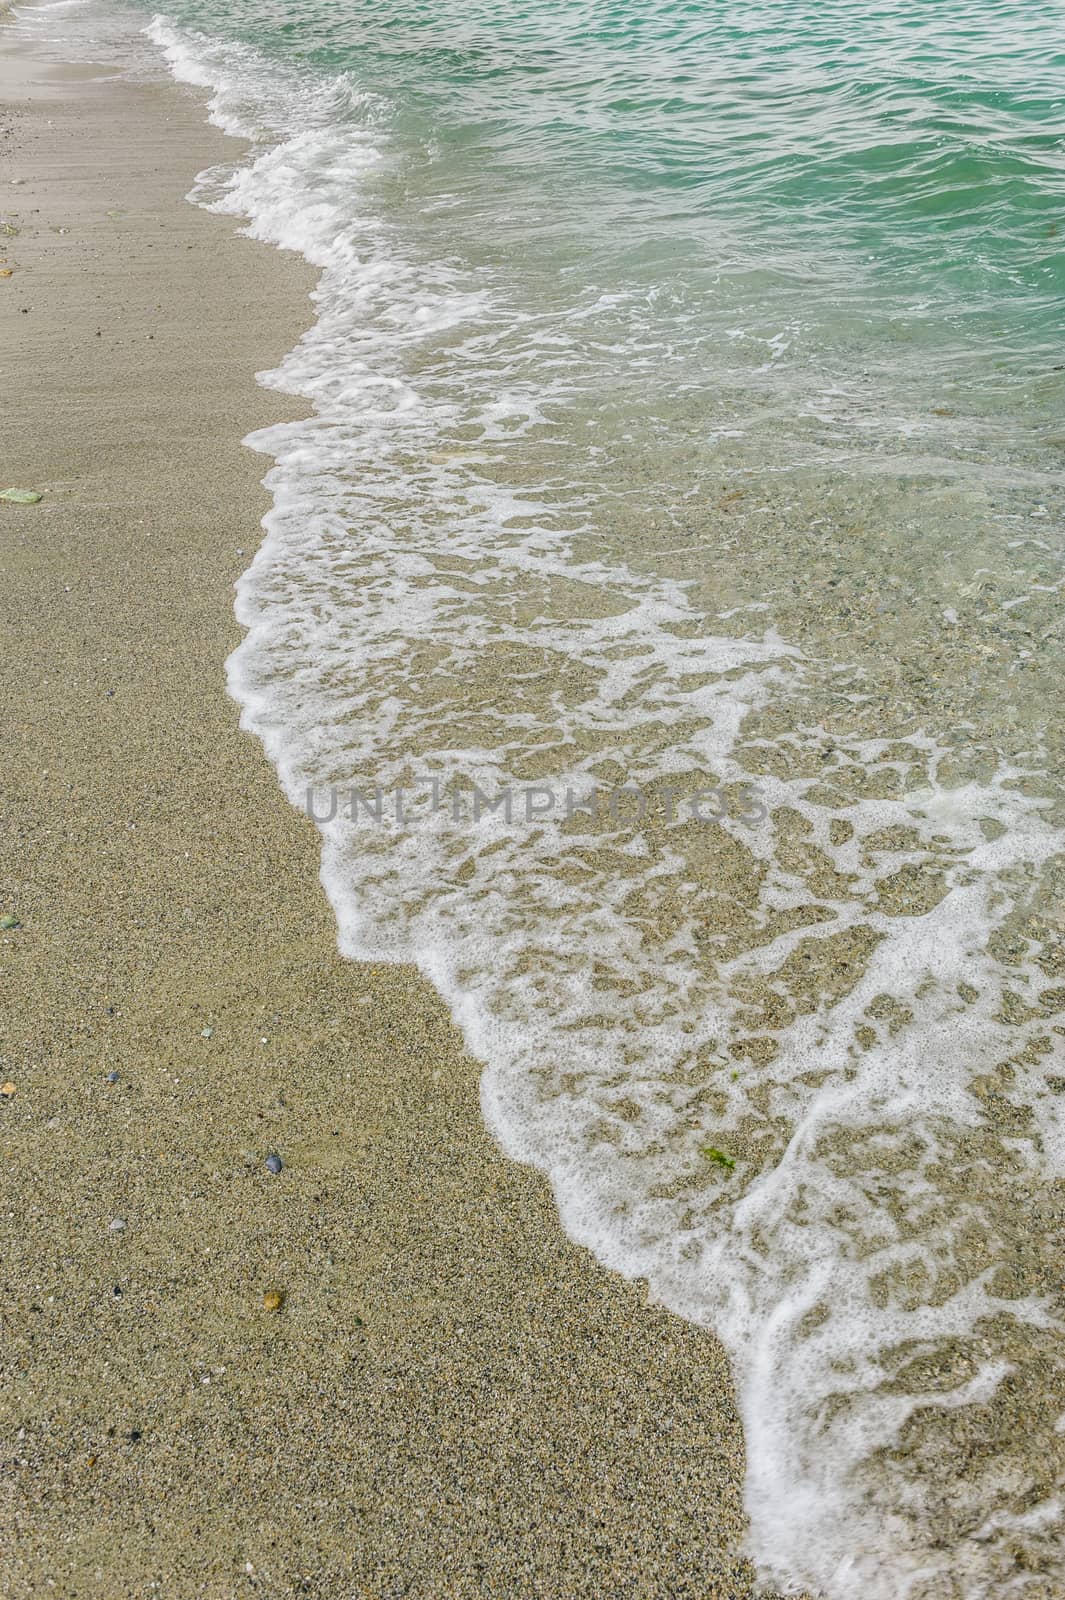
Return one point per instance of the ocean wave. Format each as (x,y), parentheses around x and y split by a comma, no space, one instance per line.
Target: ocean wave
(561,529)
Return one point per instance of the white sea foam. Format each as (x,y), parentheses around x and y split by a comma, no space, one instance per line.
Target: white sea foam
(821,996)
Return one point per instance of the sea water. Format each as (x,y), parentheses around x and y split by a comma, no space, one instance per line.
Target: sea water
(688,384)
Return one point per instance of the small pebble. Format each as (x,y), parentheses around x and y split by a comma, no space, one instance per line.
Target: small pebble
(208,1033)
(117,1224)
(8,921)
(113,1077)
(273,1164)
(273,1300)
(7,1090)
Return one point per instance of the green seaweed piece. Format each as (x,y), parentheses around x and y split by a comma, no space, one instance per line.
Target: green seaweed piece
(21,497)
(719,1158)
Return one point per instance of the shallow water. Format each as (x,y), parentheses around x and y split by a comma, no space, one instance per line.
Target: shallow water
(688,415)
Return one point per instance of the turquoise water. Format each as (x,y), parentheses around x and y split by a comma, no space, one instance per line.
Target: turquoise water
(822,154)
(862,196)
(688,390)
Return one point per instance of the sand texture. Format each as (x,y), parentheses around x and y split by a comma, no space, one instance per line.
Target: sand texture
(381,1371)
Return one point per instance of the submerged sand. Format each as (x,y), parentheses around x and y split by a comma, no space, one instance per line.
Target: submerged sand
(452,1399)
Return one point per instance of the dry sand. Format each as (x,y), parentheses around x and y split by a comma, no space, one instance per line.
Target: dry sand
(452,1400)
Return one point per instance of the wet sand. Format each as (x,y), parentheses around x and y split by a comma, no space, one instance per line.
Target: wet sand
(451,1400)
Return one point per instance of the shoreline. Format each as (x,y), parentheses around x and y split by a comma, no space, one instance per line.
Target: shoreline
(452,1399)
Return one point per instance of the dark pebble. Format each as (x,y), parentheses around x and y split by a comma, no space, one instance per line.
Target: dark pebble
(273,1164)
(113,1077)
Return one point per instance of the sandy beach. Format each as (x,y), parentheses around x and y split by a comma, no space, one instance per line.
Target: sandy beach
(382,1371)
